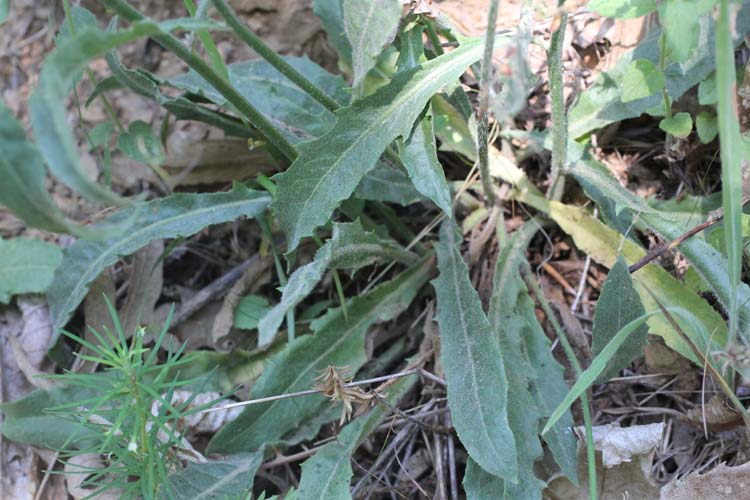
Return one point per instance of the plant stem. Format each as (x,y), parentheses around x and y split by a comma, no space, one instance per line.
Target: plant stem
(269,55)
(571,355)
(171,43)
(559,119)
(485,81)
(731,162)
(662,65)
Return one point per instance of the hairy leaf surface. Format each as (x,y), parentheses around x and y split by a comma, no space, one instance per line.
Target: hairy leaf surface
(419,155)
(227,478)
(177,215)
(369,25)
(473,364)
(338,341)
(350,247)
(328,170)
(618,305)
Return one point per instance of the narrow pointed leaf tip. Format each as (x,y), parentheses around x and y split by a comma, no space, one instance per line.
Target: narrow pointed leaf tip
(328,169)
(477,386)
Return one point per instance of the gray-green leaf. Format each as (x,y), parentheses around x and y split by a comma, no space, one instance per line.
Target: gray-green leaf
(350,247)
(26,266)
(177,215)
(419,155)
(338,341)
(473,364)
(369,25)
(642,79)
(328,170)
(618,305)
(231,477)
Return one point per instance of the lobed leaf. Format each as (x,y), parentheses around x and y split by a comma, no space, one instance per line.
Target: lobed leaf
(328,169)
(473,364)
(338,341)
(177,215)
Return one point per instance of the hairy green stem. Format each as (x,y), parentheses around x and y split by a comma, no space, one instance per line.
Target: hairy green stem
(559,119)
(485,80)
(662,65)
(571,355)
(269,55)
(171,43)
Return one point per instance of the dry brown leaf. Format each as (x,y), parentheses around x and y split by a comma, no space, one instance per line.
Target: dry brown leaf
(714,416)
(144,288)
(623,462)
(212,161)
(77,468)
(224,320)
(622,444)
(721,483)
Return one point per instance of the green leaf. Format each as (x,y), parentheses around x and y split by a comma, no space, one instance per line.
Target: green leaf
(679,19)
(332,17)
(419,155)
(604,244)
(140,143)
(81,18)
(177,215)
(707,126)
(249,311)
(618,305)
(370,25)
(350,247)
(642,79)
(337,341)
(26,266)
(679,125)
(292,111)
(387,183)
(709,262)
(733,170)
(47,104)
(328,170)
(598,365)
(535,381)
(327,474)
(231,477)
(473,364)
(23,189)
(410,46)
(622,9)
(4,9)
(600,105)
(28,420)
(707,91)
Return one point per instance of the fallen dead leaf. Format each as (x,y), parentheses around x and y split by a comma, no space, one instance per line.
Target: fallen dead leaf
(721,483)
